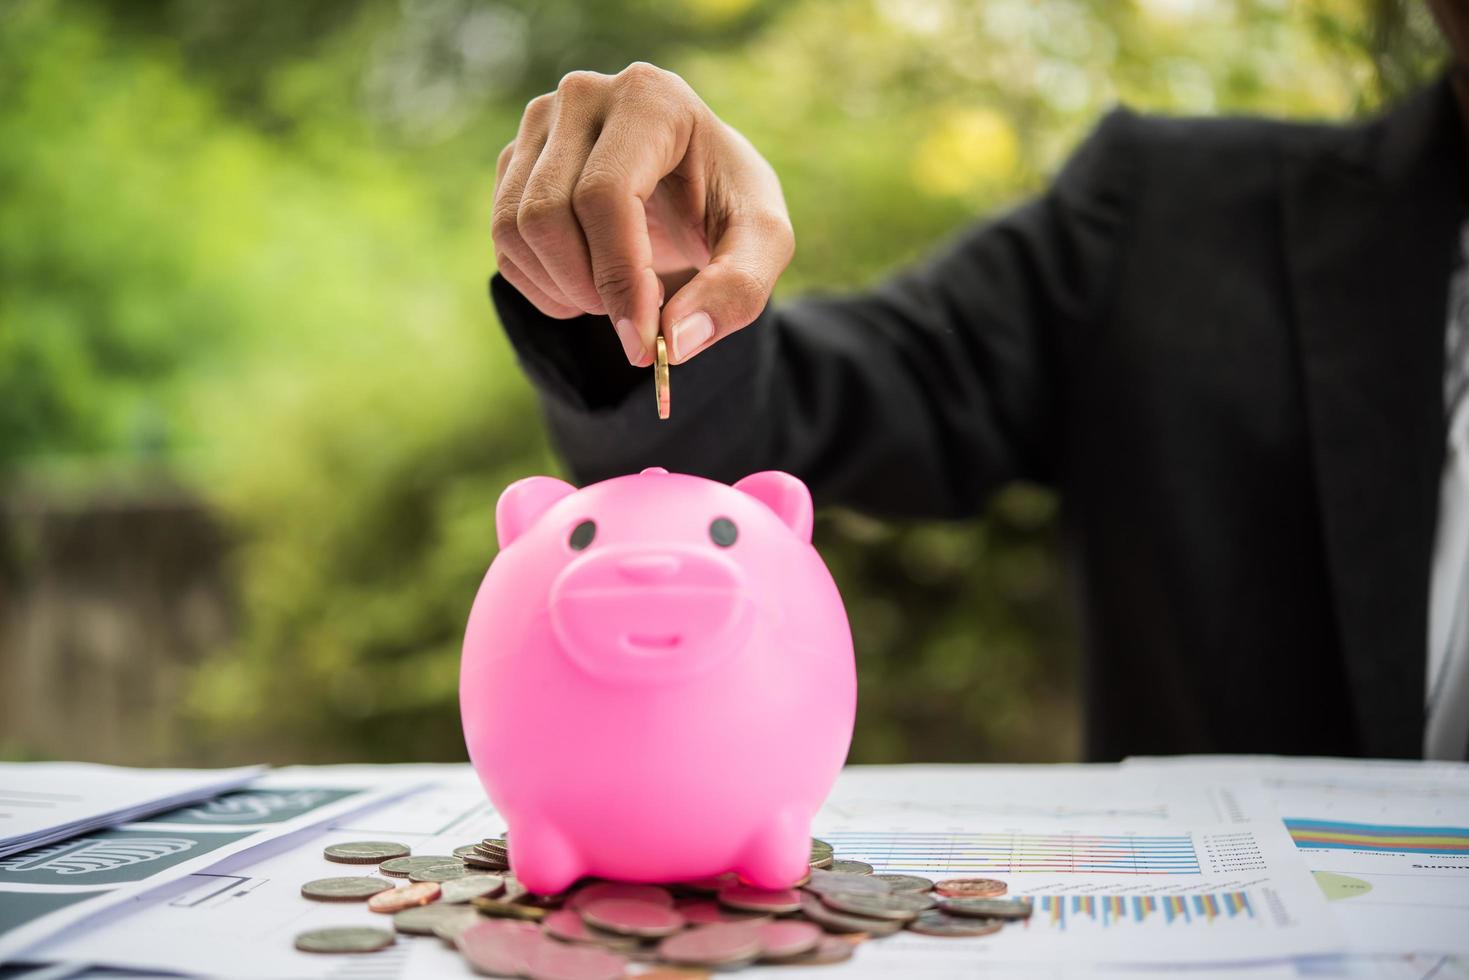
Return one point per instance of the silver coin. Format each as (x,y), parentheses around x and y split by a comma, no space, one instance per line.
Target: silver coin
(823,862)
(439,872)
(712,885)
(449,929)
(632,917)
(550,960)
(761,899)
(831,949)
(619,889)
(466,850)
(365,851)
(905,883)
(480,862)
(824,881)
(344,939)
(932,922)
(723,944)
(988,908)
(422,920)
(840,922)
(894,906)
(851,867)
(404,866)
(820,845)
(353,889)
(500,908)
(462,889)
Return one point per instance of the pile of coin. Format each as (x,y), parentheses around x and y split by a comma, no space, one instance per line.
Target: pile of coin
(598,929)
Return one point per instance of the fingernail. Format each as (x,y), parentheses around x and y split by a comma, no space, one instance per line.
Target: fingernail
(632,344)
(689,333)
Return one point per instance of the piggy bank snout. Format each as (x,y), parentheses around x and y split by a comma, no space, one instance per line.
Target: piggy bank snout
(641,615)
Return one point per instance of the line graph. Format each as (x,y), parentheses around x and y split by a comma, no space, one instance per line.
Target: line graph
(1015,853)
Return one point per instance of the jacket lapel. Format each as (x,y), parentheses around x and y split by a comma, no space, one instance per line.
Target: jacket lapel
(1371,216)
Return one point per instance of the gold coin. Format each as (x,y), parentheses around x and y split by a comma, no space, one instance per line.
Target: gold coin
(660,377)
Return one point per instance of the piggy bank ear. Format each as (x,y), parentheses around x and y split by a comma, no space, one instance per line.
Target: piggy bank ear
(785,495)
(523,503)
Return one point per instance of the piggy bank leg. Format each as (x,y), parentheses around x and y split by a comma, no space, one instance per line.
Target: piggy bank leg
(778,854)
(542,858)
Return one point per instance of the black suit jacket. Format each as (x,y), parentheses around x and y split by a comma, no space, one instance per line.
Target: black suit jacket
(1221,340)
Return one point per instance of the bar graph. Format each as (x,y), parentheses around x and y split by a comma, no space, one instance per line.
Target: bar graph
(955,853)
(1109,911)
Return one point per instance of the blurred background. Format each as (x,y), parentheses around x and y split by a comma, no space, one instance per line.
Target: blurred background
(255,409)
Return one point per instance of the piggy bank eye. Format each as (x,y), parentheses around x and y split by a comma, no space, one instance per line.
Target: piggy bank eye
(722,531)
(582,535)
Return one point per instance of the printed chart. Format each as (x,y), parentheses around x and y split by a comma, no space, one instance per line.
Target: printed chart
(1394,838)
(1016,853)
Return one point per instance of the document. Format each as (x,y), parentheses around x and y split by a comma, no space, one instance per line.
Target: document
(44,802)
(1142,872)
(1387,842)
(49,889)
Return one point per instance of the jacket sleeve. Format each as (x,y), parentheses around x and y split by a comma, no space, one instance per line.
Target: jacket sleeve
(916,398)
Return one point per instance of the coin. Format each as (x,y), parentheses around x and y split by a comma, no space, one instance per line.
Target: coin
(971,888)
(457,890)
(831,949)
(851,867)
(480,862)
(464,851)
(568,925)
(549,960)
(905,883)
(702,912)
(824,881)
(620,889)
(344,889)
(498,947)
(514,890)
(364,851)
(439,872)
(632,917)
(833,921)
(398,899)
(499,908)
(712,885)
(761,899)
(422,920)
(817,844)
(404,866)
(784,938)
(902,906)
(989,908)
(449,929)
(660,377)
(935,923)
(344,939)
(722,944)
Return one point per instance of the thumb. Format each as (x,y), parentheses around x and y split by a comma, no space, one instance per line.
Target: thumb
(729,292)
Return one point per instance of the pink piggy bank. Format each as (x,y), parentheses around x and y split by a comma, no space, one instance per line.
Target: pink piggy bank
(657,682)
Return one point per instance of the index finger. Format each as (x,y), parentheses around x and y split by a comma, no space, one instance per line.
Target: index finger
(641,143)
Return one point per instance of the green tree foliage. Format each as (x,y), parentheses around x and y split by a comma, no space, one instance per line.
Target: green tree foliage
(256,234)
